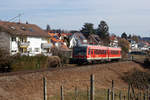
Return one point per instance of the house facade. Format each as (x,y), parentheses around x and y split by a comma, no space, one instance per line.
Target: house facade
(114,41)
(77,39)
(25,39)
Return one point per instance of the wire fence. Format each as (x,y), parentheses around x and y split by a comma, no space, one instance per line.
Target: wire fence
(89,90)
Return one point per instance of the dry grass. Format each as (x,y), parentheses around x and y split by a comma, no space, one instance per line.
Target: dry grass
(31,85)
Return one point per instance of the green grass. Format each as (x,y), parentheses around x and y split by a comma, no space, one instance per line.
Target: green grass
(100,94)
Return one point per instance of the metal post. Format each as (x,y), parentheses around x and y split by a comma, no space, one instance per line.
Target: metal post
(108,94)
(92,88)
(61,93)
(112,96)
(45,88)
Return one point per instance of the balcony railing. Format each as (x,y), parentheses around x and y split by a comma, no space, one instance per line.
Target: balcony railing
(23,44)
(46,45)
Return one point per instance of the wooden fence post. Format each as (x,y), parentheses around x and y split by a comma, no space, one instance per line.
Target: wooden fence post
(129,92)
(92,87)
(124,97)
(108,94)
(148,94)
(76,93)
(120,95)
(61,93)
(140,95)
(144,98)
(45,88)
(112,96)
(88,93)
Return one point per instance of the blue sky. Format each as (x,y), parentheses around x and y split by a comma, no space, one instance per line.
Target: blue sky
(130,16)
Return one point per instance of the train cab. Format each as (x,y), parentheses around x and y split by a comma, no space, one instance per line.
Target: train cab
(80,54)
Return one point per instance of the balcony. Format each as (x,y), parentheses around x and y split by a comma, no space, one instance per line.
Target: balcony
(23,44)
(46,45)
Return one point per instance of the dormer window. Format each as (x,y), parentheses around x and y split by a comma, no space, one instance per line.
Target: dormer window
(31,30)
(23,28)
(12,27)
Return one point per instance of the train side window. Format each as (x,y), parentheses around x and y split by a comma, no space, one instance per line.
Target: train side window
(89,51)
(96,51)
(104,51)
(114,52)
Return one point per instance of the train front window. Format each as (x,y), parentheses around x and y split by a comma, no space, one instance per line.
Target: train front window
(80,51)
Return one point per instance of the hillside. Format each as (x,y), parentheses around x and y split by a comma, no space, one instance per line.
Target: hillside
(146,39)
(30,86)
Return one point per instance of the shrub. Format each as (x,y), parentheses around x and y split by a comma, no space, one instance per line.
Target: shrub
(53,61)
(28,62)
(5,60)
(137,78)
(34,62)
(124,44)
(62,54)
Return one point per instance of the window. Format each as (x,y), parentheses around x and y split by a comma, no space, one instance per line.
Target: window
(23,28)
(31,30)
(89,51)
(36,49)
(30,49)
(80,51)
(114,52)
(13,39)
(96,51)
(56,37)
(13,50)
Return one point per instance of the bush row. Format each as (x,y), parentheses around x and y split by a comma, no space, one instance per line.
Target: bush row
(18,62)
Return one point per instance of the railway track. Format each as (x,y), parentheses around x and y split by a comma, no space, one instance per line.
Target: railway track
(70,66)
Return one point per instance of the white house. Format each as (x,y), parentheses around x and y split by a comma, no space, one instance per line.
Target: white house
(133,45)
(77,39)
(22,38)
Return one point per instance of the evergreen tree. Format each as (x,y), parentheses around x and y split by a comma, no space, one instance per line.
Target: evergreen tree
(124,35)
(48,28)
(135,38)
(103,32)
(87,29)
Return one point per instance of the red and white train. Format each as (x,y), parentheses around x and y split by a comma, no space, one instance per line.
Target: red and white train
(93,53)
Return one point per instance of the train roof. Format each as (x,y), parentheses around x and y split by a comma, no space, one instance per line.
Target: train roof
(100,46)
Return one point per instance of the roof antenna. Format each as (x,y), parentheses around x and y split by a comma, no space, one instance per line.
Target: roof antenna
(18,16)
(27,22)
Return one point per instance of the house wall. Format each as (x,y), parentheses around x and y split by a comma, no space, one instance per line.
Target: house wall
(44,40)
(14,45)
(5,41)
(35,45)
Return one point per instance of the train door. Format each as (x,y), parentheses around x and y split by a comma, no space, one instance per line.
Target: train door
(92,53)
(108,53)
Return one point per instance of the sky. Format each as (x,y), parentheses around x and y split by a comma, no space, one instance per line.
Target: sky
(130,16)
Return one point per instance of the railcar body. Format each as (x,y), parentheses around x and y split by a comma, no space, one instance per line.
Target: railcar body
(92,53)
